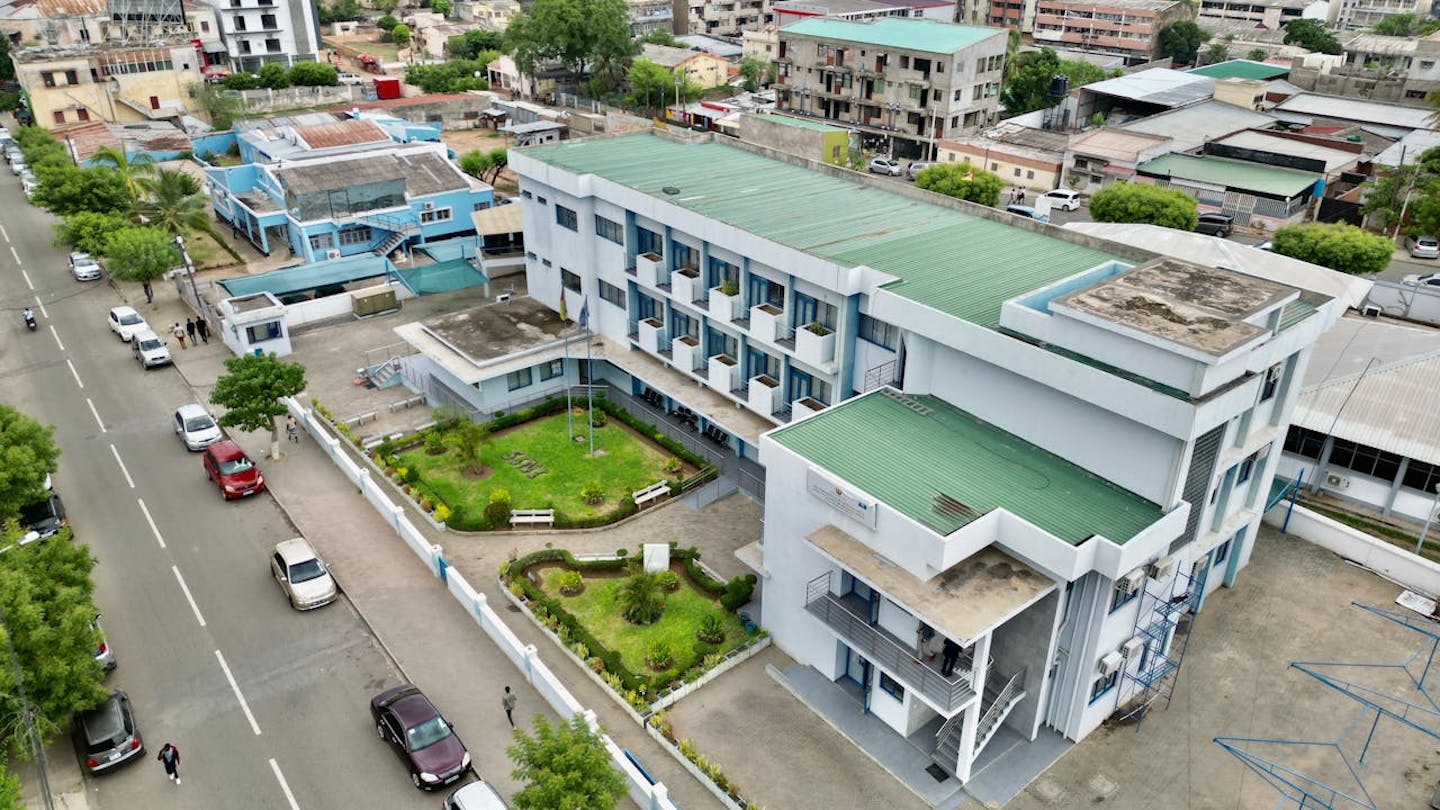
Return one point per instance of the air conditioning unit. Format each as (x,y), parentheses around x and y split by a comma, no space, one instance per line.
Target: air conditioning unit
(1161,569)
(1130,583)
(1131,649)
(502,298)
(1370,311)
(1110,664)
(332,253)
(1334,481)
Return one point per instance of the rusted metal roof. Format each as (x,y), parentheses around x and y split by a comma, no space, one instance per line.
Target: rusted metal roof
(341,133)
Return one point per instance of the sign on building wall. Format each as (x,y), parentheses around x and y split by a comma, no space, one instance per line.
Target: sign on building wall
(846,501)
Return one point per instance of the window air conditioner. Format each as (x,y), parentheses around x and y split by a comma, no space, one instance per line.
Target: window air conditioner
(1370,311)
(1131,649)
(332,253)
(1131,581)
(1161,569)
(1336,481)
(1110,664)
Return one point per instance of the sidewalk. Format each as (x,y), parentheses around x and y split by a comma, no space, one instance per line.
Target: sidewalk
(429,636)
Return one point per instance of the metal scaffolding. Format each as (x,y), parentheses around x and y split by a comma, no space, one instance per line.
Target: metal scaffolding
(1293,781)
(1163,625)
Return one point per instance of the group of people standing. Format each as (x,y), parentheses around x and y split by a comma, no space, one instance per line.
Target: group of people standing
(1017,196)
(192,329)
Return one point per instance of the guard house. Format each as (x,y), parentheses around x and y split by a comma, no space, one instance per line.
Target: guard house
(254,324)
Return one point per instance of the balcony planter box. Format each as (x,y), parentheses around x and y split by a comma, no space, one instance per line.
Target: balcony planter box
(724,373)
(685,284)
(815,347)
(724,308)
(766,320)
(651,335)
(764,395)
(805,406)
(686,351)
(649,269)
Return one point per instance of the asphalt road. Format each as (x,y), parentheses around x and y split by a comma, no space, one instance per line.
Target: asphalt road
(267,705)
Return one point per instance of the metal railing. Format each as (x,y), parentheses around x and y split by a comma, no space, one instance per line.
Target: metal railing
(992,715)
(883,374)
(864,638)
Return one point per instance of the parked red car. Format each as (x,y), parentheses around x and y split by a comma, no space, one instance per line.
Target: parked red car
(231,470)
(411,725)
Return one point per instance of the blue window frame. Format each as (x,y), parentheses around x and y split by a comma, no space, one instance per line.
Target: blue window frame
(1247,467)
(1103,685)
(518,379)
(808,310)
(684,256)
(891,687)
(609,230)
(717,342)
(645,306)
(1121,597)
(765,291)
(800,384)
(879,332)
(720,272)
(758,362)
(1222,553)
(552,369)
(682,324)
(647,241)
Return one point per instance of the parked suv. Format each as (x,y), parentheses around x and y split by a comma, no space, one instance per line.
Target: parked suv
(1215,224)
(106,736)
(1063,198)
(45,517)
(917,167)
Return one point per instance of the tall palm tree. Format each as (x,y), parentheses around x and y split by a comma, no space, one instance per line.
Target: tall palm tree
(172,200)
(133,170)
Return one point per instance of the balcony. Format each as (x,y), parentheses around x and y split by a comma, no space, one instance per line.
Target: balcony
(724,306)
(652,335)
(806,406)
(766,322)
(687,355)
(815,345)
(723,373)
(763,395)
(649,269)
(891,654)
(685,285)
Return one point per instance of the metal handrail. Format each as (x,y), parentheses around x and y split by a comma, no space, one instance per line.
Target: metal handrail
(992,714)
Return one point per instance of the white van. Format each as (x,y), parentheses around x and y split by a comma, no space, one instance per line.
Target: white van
(1063,198)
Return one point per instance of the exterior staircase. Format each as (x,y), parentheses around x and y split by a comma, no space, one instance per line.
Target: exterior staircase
(390,244)
(999,697)
(386,373)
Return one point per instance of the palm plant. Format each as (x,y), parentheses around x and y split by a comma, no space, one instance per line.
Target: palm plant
(469,437)
(173,202)
(133,170)
(641,600)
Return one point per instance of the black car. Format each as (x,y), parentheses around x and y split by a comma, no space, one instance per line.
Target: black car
(106,736)
(1215,224)
(45,517)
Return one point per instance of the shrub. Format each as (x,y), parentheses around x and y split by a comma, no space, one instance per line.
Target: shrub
(712,629)
(641,601)
(425,504)
(580,650)
(597,417)
(434,442)
(669,581)
(571,583)
(658,655)
(412,476)
(593,492)
(738,591)
(711,660)
(672,465)
(497,511)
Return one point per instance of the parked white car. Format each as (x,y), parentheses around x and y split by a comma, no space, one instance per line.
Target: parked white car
(1431,280)
(195,427)
(351,79)
(150,351)
(125,322)
(84,267)
(1063,198)
(1423,247)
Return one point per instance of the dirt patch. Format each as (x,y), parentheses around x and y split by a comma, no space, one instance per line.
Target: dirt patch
(470,474)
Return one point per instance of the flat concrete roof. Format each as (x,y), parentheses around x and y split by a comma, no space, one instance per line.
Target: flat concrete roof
(490,332)
(1202,308)
(961,603)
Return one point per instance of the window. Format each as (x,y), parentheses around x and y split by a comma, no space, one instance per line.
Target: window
(1222,553)
(59,116)
(1308,443)
(355,236)
(647,241)
(879,333)
(542,200)
(48,79)
(244,46)
(682,324)
(526,195)
(1103,685)
(891,687)
(267,21)
(1247,468)
(609,230)
(717,342)
(83,114)
(1017,171)
(808,311)
(322,241)
(570,280)
(758,362)
(612,294)
(552,369)
(1122,596)
(1364,459)
(1272,382)
(904,63)
(1029,175)
(565,218)
(1422,476)
(516,380)
(764,291)
(204,26)
(261,332)
(721,272)
(436,215)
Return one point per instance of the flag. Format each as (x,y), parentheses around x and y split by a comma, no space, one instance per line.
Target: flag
(563,316)
(584,313)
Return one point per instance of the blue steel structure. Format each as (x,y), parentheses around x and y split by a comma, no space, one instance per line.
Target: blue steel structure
(1163,609)
(1295,787)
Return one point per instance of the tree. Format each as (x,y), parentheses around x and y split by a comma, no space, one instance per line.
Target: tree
(339,11)
(1312,35)
(484,165)
(400,35)
(220,109)
(386,7)
(173,202)
(250,392)
(1397,25)
(1217,52)
(641,599)
(241,81)
(66,190)
(9,782)
(1027,83)
(27,455)
(1424,210)
(1257,55)
(386,23)
(130,169)
(455,76)
(313,74)
(661,36)
(141,254)
(752,72)
(582,35)
(649,83)
(7,68)
(563,766)
(472,43)
(274,76)
(441,7)
(961,181)
(1337,245)
(88,231)
(468,438)
(46,591)
(1141,202)
(1384,196)
(1182,40)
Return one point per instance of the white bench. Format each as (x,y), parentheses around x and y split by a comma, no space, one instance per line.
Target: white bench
(522,517)
(406,403)
(361,418)
(654,492)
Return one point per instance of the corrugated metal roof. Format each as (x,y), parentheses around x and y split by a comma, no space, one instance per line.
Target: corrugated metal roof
(309,276)
(1162,86)
(422,172)
(944,468)
(1265,142)
(957,263)
(1192,126)
(1355,109)
(341,133)
(1242,69)
(1232,174)
(895,32)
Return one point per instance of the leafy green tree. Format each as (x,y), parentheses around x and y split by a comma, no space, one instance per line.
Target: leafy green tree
(141,253)
(661,36)
(7,70)
(45,589)
(649,83)
(173,202)
(66,190)
(1144,203)
(961,181)
(1257,55)
(400,35)
(313,74)
(641,600)
(386,23)
(1027,82)
(250,392)
(455,76)
(1397,25)
(584,36)
(441,7)
(89,231)
(1337,245)
(9,782)
(485,166)
(241,81)
(339,11)
(472,43)
(1217,52)
(1312,35)
(468,438)
(1428,27)
(131,169)
(1182,40)
(1424,210)
(218,107)
(274,76)
(563,766)
(27,455)
(752,73)
(1384,196)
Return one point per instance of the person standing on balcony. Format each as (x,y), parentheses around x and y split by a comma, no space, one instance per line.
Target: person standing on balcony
(950,654)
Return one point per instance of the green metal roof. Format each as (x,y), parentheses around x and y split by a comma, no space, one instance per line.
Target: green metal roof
(309,276)
(908,457)
(1232,174)
(959,264)
(1295,312)
(896,32)
(1242,69)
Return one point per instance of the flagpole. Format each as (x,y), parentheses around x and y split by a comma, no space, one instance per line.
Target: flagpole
(565,367)
(590,391)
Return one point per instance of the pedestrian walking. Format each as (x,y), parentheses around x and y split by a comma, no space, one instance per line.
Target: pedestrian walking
(1019,196)
(950,654)
(509,703)
(190,330)
(202,327)
(149,293)
(292,431)
(169,756)
(179,332)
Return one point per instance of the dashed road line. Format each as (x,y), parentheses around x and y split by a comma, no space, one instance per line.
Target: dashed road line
(57,339)
(128,479)
(153,528)
(194,607)
(245,707)
(284,786)
(96,414)
(75,373)
(43,313)
(28,282)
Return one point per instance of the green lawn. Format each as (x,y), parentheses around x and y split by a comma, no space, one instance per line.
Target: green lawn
(205,252)
(597,609)
(623,463)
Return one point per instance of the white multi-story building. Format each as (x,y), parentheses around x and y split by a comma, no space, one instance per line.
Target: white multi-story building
(260,31)
(1041,446)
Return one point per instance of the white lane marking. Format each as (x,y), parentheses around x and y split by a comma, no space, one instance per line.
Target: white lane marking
(285,786)
(74,372)
(4,233)
(57,336)
(96,414)
(13,253)
(28,282)
(128,479)
(245,707)
(41,305)
(151,521)
(188,597)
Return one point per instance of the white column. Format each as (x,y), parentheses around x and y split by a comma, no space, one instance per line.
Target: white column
(971,724)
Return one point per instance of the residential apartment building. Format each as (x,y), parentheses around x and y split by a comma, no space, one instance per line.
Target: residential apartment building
(82,23)
(110,82)
(1271,14)
(1379,68)
(1041,447)
(257,32)
(1128,28)
(704,70)
(1359,14)
(904,83)
(722,18)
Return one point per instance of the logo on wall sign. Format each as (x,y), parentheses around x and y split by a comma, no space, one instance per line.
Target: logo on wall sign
(837,497)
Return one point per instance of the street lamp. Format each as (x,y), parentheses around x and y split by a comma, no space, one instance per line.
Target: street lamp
(1434,505)
(27,717)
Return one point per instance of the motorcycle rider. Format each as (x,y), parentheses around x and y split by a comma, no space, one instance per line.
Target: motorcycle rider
(29,318)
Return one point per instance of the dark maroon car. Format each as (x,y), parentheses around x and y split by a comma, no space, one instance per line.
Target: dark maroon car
(428,745)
